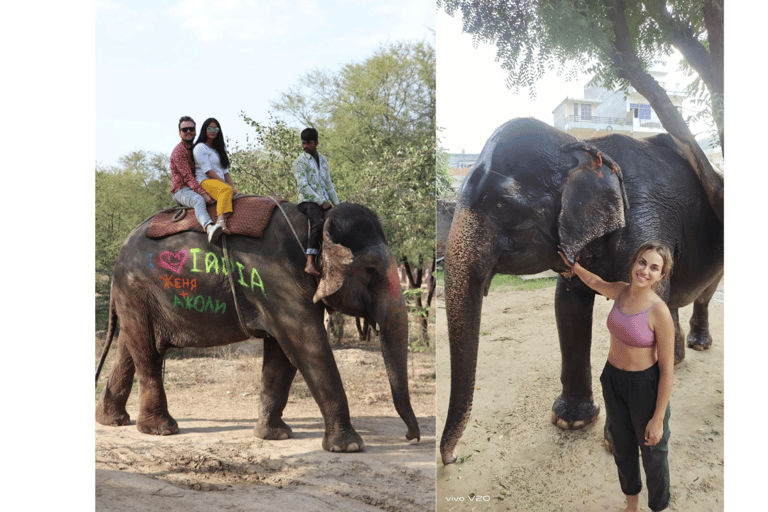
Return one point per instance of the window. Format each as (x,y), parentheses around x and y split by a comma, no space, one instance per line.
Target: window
(586,111)
(640,111)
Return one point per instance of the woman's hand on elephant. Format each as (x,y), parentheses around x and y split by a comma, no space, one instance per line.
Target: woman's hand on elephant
(570,272)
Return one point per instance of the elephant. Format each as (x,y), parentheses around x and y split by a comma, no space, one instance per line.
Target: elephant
(176,291)
(535,191)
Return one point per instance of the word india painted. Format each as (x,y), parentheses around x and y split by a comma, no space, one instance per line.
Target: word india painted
(189,265)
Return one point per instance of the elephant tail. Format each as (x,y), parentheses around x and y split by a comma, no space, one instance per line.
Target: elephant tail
(110,333)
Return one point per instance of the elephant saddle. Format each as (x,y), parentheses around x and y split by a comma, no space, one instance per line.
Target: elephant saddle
(250,215)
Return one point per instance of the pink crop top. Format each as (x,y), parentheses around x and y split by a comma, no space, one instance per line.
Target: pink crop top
(633,329)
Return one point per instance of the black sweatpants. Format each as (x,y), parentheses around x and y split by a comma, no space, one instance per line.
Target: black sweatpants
(630,401)
(316,216)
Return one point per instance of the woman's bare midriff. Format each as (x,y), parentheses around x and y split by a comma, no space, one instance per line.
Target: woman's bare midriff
(631,359)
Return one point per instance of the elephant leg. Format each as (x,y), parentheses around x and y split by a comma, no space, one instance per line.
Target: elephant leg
(699,337)
(276,376)
(679,337)
(308,349)
(111,408)
(575,407)
(153,405)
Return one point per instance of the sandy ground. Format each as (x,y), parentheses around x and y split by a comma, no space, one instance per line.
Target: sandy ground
(215,462)
(511,457)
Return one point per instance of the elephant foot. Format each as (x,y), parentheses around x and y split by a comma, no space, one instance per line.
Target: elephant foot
(699,340)
(277,432)
(572,414)
(164,426)
(346,441)
(112,418)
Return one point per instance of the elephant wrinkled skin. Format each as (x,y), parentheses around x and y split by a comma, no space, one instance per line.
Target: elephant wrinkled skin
(536,190)
(176,292)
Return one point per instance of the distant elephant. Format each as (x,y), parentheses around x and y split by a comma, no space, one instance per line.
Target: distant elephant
(535,189)
(176,292)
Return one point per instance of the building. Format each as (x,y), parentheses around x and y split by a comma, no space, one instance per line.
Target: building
(459,164)
(601,111)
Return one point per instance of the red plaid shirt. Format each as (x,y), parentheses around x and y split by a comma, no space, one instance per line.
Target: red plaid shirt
(183,170)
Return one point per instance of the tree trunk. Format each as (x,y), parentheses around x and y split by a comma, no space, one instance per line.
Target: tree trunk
(415,277)
(628,66)
(363,331)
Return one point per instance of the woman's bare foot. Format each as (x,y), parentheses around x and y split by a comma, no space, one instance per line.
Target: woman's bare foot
(633,503)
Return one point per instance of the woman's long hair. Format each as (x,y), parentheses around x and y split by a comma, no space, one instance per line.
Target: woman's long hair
(218,142)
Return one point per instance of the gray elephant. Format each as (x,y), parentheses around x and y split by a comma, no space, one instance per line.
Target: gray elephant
(536,190)
(177,291)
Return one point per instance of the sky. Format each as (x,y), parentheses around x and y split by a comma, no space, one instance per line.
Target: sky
(472,96)
(156,61)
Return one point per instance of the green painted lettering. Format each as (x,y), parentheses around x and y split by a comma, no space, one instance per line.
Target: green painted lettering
(256,281)
(211,261)
(240,268)
(194,259)
(177,300)
(200,303)
(220,306)
(208,304)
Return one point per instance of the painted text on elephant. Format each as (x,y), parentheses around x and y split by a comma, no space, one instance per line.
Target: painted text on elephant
(209,262)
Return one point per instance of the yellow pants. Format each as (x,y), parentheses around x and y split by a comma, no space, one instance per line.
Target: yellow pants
(221,193)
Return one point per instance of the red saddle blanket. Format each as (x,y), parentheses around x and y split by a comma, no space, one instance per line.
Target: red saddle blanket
(250,215)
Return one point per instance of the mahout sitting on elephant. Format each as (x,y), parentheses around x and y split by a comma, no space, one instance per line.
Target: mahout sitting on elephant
(180,291)
(535,190)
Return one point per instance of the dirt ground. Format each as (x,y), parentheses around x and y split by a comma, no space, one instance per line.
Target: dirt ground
(215,462)
(512,458)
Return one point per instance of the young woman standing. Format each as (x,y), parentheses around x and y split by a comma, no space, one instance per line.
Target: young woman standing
(638,376)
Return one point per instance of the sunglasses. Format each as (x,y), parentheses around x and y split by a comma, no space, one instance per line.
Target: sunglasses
(188,129)
(213,129)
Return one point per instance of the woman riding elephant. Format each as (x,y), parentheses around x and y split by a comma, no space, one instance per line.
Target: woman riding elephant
(212,169)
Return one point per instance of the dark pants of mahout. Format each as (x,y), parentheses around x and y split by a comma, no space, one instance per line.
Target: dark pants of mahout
(316,216)
(630,401)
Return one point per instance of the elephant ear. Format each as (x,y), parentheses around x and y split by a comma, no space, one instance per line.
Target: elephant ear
(593,200)
(336,262)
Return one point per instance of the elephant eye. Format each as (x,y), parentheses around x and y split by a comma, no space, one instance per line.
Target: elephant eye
(498,205)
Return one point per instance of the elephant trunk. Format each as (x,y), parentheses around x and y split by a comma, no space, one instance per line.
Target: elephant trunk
(468,266)
(392,317)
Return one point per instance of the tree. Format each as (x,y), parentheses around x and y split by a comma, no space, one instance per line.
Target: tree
(376,120)
(617,41)
(126,195)
(263,166)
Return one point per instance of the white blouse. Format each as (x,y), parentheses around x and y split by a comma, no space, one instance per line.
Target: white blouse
(207,159)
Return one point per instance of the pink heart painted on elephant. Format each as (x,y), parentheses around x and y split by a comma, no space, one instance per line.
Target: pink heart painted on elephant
(173,262)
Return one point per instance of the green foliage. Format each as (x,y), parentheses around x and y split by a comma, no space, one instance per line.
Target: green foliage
(573,37)
(126,194)
(443,179)
(263,166)
(376,121)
